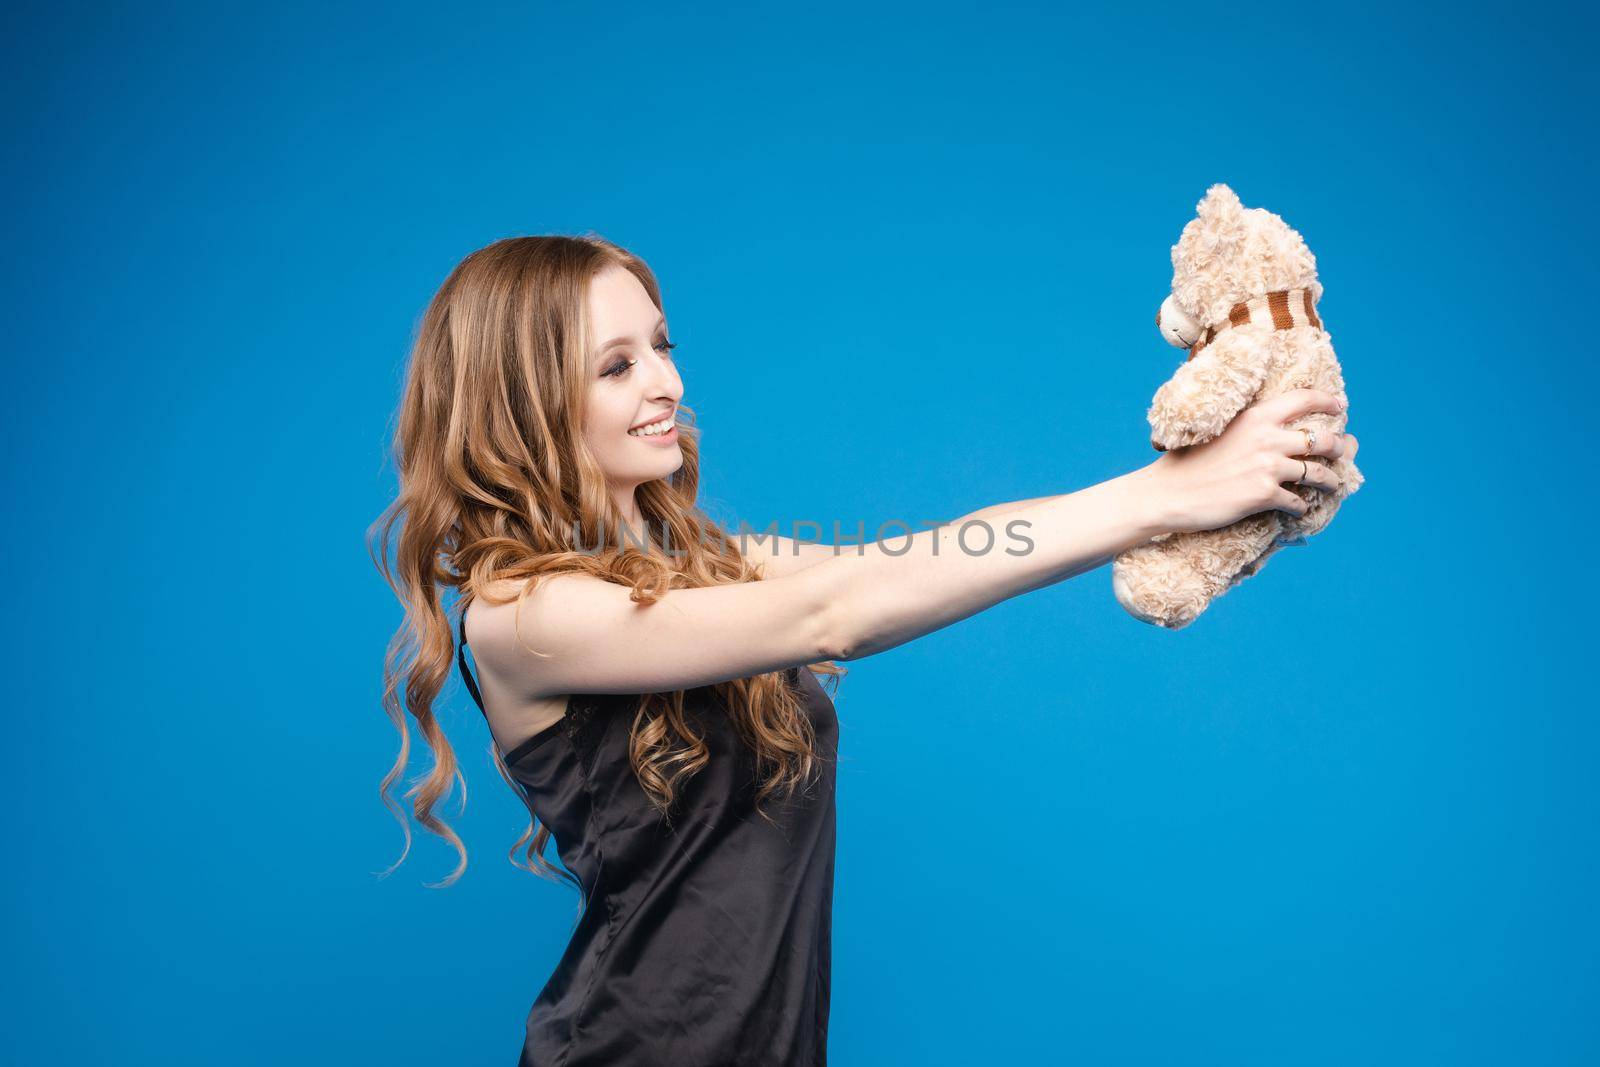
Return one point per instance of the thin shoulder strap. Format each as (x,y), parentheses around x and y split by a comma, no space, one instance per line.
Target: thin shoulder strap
(461,657)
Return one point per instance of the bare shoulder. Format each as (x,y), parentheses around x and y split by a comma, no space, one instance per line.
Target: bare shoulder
(514,714)
(498,619)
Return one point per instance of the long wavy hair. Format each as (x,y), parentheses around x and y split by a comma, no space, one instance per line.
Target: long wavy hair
(496,484)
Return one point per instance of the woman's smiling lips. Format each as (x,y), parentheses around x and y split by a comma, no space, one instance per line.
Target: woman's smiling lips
(668,437)
(658,439)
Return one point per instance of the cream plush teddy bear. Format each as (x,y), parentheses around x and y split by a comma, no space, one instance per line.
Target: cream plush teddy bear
(1243,302)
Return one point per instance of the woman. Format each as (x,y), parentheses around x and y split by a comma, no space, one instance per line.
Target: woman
(648,683)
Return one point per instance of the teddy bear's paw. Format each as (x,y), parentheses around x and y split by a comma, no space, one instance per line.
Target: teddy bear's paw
(1205,394)
(1148,588)
(1134,590)
(1350,478)
(1123,587)
(1181,415)
(1179,620)
(1176,423)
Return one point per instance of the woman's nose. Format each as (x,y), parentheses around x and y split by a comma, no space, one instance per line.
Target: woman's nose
(665,377)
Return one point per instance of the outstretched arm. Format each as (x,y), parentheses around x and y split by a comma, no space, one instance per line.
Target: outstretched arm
(779,556)
(878,600)
(575,633)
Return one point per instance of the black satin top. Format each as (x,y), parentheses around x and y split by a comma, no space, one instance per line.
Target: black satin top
(704,943)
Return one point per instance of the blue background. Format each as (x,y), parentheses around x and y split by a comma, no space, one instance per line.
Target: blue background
(1346,817)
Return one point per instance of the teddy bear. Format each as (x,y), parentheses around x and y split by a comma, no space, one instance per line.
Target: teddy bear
(1244,304)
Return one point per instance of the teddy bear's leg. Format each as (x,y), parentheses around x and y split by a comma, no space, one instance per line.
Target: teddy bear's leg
(1204,395)
(1169,582)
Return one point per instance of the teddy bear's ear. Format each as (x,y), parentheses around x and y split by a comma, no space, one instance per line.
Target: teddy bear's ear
(1220,206)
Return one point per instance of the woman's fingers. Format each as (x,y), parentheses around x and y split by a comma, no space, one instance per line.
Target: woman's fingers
(1317,475)
(1296,402)
(1329,443)
(1289,503)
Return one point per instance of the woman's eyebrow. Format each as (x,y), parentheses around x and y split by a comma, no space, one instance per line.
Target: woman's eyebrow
(615,341)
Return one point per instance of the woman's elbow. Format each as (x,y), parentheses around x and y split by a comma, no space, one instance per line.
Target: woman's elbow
(836,626)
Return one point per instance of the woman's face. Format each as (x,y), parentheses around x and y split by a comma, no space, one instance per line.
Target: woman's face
(632,382)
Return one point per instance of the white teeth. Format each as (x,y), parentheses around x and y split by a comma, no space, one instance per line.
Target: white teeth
(652,430)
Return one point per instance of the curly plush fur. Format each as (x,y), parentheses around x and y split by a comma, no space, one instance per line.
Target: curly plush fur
(1227,255)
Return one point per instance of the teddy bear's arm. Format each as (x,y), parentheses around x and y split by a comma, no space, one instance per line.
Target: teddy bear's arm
(1199,401)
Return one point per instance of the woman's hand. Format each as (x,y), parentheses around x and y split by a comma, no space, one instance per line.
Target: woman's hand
(1242,471)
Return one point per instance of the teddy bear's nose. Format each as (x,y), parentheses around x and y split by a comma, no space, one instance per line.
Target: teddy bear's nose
(1176,327)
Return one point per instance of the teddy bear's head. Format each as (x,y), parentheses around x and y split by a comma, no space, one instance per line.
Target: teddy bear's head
(1227,254)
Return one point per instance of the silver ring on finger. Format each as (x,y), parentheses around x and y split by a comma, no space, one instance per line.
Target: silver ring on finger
(1305,469)
(1311,437)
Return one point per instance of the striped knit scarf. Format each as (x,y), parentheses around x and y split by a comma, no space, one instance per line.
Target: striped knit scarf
(1284,309)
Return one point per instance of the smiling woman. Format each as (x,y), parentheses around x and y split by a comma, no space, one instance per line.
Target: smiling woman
(650,697)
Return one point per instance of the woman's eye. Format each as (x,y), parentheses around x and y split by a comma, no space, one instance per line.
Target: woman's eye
(617,369)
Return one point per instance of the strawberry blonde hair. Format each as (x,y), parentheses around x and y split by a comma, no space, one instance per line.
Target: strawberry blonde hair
(494,484)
